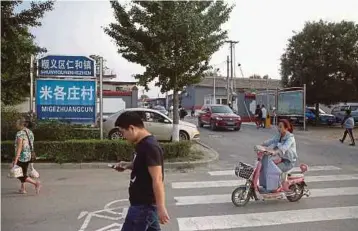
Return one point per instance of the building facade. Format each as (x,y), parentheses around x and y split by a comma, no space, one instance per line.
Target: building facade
(245,88)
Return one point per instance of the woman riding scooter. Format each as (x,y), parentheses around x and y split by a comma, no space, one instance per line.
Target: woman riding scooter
(284,152)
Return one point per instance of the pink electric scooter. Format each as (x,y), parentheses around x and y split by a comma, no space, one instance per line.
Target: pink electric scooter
(293,186)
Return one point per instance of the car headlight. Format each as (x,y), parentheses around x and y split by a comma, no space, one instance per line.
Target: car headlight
(218,118)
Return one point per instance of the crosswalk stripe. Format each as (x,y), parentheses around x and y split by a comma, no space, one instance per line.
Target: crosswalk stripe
(226,198)
(296,169)
(266,219)
(233,183)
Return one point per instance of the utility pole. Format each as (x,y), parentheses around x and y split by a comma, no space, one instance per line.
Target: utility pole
(232,44)
(227,80)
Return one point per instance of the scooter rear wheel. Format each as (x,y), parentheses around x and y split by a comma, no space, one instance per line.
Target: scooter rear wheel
(298,191)
(238,197)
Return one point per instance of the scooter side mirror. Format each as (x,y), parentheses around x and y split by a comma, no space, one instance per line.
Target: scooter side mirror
(303,167)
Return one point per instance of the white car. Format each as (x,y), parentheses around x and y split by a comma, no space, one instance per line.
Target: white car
(160,125)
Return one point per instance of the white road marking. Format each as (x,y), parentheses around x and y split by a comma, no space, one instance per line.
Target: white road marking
(296,169)
(266,219)
(226,198)
(233,183)
(111,227)
(108,213)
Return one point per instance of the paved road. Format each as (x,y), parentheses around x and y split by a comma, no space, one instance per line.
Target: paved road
(197,199)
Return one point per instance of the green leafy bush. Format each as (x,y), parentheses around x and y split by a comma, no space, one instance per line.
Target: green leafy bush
(53,131)
(91,150)
(9,116)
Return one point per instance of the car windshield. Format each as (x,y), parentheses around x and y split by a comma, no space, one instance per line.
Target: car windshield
(221,109)
(313,110)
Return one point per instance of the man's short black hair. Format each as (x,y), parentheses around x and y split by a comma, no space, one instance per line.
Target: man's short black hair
(128,118)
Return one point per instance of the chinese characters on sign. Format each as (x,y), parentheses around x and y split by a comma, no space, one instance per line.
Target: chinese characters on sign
(71,66)
(68,100)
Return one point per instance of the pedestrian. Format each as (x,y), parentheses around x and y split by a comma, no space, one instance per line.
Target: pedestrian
(264,114)
(24,144)
(193,111)
(348,124)
(258,116)
(146,187)
(182,112)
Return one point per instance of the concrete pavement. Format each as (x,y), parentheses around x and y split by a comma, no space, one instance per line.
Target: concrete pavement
(197,199)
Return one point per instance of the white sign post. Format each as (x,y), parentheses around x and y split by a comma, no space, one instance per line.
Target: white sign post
(101,96)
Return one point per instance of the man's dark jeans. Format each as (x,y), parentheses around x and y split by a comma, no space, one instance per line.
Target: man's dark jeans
(141,218)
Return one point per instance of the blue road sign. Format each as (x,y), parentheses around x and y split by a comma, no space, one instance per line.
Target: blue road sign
(66,100)
(62,66)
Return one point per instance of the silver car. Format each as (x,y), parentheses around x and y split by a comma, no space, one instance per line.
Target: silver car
(160,125)
(340,111)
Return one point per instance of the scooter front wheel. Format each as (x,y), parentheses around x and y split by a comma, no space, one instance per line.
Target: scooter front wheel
(297,192)
(240,196)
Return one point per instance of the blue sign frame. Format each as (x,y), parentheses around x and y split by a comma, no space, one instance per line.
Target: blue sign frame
(66,66)
(66,100)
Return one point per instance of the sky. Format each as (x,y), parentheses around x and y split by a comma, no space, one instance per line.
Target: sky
(262,28)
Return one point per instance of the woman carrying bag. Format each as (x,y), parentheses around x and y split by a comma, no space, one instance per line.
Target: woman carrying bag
(24,153)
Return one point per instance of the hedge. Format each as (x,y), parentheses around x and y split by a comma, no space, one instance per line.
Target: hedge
(91,150)
(54,131)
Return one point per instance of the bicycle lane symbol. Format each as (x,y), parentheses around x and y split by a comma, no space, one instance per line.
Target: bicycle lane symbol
(113,211)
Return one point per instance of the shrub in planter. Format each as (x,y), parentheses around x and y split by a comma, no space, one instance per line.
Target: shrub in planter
(91,150)
(53,131)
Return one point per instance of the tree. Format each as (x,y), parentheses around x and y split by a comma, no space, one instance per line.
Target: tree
(173,40)
(97,59)
(255,76)
(324,56)
(212,72)
(17,46)
(142,97)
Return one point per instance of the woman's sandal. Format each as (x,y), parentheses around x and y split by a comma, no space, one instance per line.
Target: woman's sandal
(22,191)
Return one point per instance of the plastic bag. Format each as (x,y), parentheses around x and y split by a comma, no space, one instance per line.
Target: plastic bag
(16,172)
(270,174)
(32,171)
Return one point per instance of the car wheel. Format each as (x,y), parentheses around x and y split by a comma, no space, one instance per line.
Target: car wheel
(212,126)
(115,134)
(237,128)
(200,123)
(183,135)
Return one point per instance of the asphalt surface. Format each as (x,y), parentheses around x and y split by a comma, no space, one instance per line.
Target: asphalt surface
(197,199)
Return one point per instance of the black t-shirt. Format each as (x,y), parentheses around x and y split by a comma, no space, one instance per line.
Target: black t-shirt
(147,153)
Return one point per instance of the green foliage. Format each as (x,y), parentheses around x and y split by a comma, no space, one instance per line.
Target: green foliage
(324,56)
(173,40)
(53,131)
(17,45)
(44,130)
(9,116)
(91,150)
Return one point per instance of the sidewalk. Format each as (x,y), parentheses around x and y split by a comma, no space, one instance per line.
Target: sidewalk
(327,133)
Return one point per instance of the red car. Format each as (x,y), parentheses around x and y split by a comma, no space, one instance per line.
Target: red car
(219,116)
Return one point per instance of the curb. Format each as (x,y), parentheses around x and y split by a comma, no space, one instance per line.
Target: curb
(197,163)
(100,165)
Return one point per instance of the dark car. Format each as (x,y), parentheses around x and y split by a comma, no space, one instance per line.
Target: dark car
(219,116)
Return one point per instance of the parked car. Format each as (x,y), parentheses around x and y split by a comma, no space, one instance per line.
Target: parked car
(219,116)
(157,123)
(161,109)
(324,118)
(340,112)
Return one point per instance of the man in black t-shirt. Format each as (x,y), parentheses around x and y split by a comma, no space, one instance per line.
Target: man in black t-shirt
(146,188)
